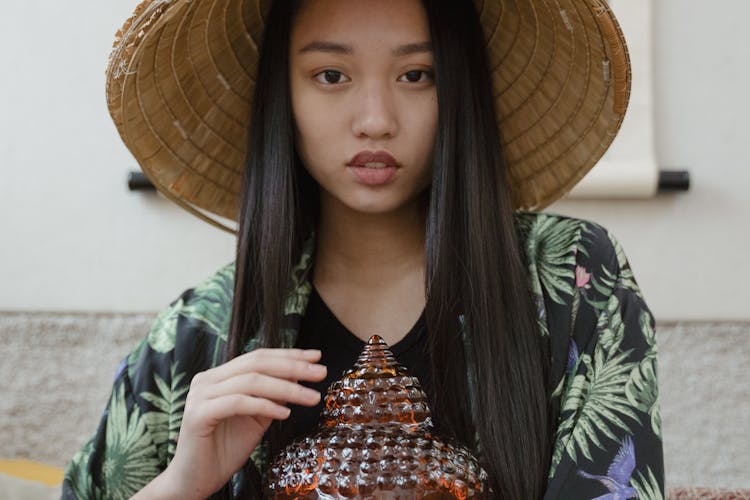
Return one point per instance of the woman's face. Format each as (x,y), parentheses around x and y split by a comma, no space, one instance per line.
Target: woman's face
(364,100)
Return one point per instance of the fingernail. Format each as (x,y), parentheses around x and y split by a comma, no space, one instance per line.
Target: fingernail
(312,352)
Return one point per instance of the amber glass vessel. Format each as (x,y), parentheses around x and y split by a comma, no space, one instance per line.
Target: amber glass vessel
(376,441)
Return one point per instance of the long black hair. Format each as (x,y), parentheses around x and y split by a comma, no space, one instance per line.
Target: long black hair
(491,380)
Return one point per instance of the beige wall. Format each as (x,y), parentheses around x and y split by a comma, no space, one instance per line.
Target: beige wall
(74,239)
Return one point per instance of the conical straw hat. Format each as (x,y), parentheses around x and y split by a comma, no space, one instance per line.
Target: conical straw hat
(181,76)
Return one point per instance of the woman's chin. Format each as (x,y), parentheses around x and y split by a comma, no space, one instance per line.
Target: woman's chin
(380,206)
(388,200)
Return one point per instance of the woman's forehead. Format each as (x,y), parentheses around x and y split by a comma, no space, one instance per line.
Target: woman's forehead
(360,22)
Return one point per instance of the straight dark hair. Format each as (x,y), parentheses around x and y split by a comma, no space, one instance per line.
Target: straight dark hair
(491,382)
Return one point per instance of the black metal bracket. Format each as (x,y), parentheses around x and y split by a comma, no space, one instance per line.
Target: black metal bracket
(137,181)
(674,180)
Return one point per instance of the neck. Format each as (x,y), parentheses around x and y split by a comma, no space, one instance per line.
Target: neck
(369,250)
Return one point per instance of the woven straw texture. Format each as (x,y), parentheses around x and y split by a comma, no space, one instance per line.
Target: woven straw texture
(181,77)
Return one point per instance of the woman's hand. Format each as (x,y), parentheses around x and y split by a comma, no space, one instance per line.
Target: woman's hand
(227,411)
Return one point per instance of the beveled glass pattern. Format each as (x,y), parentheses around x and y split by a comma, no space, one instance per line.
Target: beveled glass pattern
(376,440)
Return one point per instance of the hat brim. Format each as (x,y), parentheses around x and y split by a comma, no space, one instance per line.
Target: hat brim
(180,82)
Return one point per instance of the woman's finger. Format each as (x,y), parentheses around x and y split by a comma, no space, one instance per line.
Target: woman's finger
(267,358)
(212,412)
(278,367)
(263,386)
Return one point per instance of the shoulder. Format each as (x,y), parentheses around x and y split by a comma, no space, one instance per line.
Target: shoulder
(208,306)
(563,253)
(549,239)
(576,271)
(191,331)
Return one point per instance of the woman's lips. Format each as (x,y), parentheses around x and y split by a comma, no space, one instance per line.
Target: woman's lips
(373,176)
(364,158)
(373,168)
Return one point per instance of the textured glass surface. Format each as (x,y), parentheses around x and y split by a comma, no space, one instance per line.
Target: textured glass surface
(375,440)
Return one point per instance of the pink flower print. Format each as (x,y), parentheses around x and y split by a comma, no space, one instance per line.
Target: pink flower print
(582,277)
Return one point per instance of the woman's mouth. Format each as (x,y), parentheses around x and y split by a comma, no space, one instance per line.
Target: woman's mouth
(373,176)
(373,159)
(373,168)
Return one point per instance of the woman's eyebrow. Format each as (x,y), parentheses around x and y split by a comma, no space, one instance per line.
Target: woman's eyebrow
(340,48)
(330,47)
(412,48)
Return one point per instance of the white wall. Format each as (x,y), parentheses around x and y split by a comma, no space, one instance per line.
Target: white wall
(73,238)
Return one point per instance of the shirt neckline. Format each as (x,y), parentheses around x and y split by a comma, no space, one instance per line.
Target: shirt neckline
(344,335)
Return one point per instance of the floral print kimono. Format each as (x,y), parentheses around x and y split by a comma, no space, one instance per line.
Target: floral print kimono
(608,442)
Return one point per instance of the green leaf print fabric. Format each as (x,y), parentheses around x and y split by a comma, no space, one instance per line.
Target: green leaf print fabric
(604,368)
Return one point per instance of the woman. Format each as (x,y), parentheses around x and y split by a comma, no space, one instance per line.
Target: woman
(376,178)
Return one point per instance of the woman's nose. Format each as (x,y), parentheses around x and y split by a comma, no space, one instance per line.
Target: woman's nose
(375,117)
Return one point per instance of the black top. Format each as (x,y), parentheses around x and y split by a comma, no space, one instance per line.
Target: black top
(320,329)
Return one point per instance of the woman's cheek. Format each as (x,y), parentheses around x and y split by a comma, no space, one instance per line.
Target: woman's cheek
(316,121)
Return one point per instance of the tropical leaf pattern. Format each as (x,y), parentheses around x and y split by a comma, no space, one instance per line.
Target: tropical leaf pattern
(589,306)
(80,482)
(301,287)
(648,486)
(596,405)
(130,458)
(161,337)
(216,295)
(551,259)
(169,405)
(642,390)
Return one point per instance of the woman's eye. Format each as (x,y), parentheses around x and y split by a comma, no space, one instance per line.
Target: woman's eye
(416,76)
(331,76)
